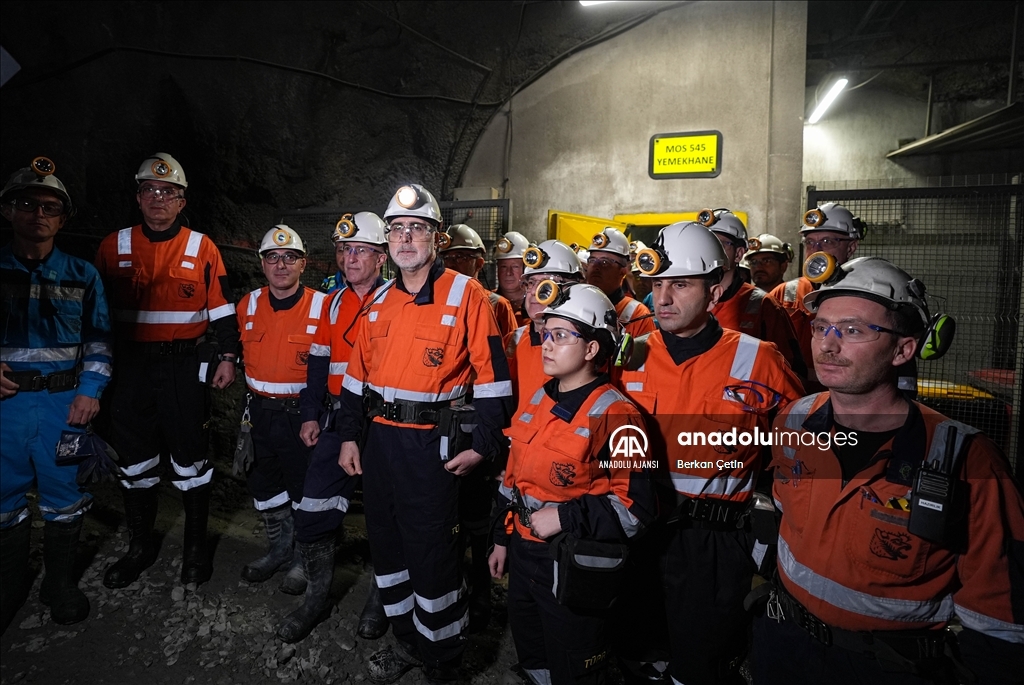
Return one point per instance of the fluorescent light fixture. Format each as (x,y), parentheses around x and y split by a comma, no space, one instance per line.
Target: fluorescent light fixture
(833,93)
(588,3)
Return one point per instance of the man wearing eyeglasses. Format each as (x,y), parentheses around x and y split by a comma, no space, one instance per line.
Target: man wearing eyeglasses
(175,331)
(900,520)
(359,245)
(607,266)
(54,364)
(768,259)
(832,229)
(508,255)
(465,253)
(704,390)
(426,340)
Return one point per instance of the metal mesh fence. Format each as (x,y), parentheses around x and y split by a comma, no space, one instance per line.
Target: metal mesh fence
(967,244)
(489,218)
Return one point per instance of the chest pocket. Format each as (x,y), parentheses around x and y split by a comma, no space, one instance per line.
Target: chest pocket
(252,350)
(433,346)
(298,351)
(126,286)
(878,540)
(186,284)
(67,318)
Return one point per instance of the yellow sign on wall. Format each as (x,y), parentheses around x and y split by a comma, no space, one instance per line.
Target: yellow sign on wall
(686,155)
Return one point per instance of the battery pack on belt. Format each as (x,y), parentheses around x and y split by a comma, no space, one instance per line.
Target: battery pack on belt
(895,647)
(285,404)
(705,512)
(31,380)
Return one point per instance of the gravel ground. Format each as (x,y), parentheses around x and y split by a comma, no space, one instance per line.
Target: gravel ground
(157,631)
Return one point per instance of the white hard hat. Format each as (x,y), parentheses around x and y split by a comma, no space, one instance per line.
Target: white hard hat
(723,221)
(634,247)
(511,246)
(363,227)
(682,249)
(414,200)
(833,216)
(39,175)
(551,257)
(610,240)
(162,167)
(872,278)
(766,242)
(462,237)
(281,237)
(579,302)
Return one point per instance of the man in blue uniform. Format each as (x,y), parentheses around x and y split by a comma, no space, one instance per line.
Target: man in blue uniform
(55,362)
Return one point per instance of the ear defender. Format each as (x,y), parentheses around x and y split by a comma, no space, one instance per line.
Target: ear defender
(820,267)
(937,338)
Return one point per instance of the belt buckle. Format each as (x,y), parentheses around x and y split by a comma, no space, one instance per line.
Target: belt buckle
(40,383)
(818,630)
(388,411)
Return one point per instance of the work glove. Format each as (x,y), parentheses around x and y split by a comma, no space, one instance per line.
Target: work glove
(97,461)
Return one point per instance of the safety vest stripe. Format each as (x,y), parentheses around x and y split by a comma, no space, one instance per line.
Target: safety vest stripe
(582,431)
(754,303)
(627,311)
(278,500)
(372,316)
(316,306)
(630,524)
(130,316)
(1011,632)
(537,396)
(335,306)
(392,579)
(721,486)
(607,399)
(441,603)
(634,387)
(124,241)
(250,310)
(317,350)
(505,491)
(449,631)
(498,389)
(448,320)
(274,388)
(352,385)
(50,292)
(311,329)
(789,292)
(457,291)
(518,333)
(338,368)
(382,291)
(98,348)
(856,602)
(222,311)
(97,367)
(195,239)
(746,355)
(329,504)
(391,394)
(188,265)
(38,354)
(795,420)
(399,608)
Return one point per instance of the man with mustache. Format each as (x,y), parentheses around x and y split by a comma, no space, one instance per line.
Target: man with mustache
(428,338)
(768,259)
(898,521)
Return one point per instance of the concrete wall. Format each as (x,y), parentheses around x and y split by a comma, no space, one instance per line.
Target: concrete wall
(580,134)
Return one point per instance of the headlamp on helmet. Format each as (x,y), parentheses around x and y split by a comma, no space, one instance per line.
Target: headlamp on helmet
(407,197)
(832,216)
(652,260)
(534,257)
(43,166)
(820,267)
(345,228)
(161,166)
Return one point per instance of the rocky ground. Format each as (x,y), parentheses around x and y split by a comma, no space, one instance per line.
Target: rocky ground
(222,633)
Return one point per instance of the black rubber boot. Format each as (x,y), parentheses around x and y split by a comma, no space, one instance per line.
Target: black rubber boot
(196,566)
(480,596)
(59,589)
(294,582)
(14,546)
(373,622)
(318,562)
(140,516)
(281,538)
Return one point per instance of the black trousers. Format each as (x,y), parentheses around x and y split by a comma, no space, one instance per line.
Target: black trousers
(326,493)
(706,575)
(412,521)
(554,643)
(158,406)
(282,459)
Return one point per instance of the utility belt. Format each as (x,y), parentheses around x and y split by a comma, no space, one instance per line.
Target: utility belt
(32,380)
(711,514)
(404,411)
(289,405)
(899,651)
(167,347)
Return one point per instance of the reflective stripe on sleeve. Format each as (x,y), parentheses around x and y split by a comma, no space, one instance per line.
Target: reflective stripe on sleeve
(222,311)
(338,368)
(498,389)
(38,354)
(352,385)
(317,350)
(720,486)
(130,316)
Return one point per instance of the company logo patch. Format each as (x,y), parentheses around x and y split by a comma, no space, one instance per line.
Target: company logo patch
(302,358)
(186,290)
(562,474)
(433,356)
(888,545)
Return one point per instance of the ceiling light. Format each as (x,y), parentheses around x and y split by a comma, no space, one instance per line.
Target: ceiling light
(833,93)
